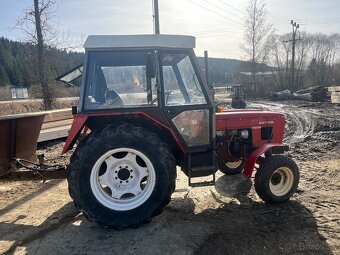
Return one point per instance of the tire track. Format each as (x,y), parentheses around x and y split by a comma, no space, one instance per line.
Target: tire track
(300,123)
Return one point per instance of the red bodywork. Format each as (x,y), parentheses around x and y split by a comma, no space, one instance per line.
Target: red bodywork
(229,120)
(79,121)
(254,120)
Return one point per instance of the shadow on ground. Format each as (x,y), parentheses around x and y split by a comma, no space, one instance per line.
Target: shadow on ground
(248,227)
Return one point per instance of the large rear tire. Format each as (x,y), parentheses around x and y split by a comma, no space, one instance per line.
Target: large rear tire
(277,179)
(121,176)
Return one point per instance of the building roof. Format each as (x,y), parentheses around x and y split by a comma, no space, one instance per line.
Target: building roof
(268,73)
(140,41)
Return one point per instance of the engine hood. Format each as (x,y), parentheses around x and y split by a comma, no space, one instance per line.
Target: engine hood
(239,119)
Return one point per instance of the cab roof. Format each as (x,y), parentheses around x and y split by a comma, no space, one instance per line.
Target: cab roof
(139,41)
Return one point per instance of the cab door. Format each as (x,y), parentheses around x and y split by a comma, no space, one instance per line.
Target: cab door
(185,98)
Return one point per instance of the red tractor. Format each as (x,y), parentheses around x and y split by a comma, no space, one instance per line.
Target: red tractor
(145,109)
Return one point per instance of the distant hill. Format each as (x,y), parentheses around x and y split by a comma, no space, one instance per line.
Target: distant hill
(18,64)
(223,70)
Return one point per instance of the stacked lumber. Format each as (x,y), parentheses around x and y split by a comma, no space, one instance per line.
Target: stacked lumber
(56,124)
(335,94)
(316,94)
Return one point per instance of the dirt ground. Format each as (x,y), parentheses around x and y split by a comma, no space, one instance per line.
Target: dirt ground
(39,217)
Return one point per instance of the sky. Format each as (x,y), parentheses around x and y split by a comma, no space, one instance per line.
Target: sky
(216,24)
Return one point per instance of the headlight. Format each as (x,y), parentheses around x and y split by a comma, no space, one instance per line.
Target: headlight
(244,134)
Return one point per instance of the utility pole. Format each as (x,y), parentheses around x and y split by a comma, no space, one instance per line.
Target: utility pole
(156,17)
(292,72)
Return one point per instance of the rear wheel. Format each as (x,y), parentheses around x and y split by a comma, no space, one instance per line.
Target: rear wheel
(121,176)
(277,179)
(232,167)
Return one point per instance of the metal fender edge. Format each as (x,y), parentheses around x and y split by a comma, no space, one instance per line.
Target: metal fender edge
(251,160)
(77,126)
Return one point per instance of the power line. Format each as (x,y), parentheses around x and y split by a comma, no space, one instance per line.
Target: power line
(242,12)
(216,6)
(212,11)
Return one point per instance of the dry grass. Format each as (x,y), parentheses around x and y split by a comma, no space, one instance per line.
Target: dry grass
(5,93)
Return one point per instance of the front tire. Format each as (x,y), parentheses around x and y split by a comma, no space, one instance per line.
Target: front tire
(232,167)
(277,179)
(121,176)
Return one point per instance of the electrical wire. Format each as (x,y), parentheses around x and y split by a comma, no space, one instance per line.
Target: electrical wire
(212,11)
(242,12)
(222,9)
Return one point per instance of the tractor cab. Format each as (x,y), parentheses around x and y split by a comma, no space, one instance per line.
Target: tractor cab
(150,77)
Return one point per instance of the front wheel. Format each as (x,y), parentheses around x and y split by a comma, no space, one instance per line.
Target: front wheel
(121,176)
(231,167)
(277,179)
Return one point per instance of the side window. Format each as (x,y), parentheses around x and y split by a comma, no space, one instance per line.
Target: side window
(181,85)
(172,93)
(120,79)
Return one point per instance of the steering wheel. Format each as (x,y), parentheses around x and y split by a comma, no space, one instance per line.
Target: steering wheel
(112,98)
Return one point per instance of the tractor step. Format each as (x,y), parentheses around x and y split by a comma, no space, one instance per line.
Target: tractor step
(203,168)
(199,171)
(202,184)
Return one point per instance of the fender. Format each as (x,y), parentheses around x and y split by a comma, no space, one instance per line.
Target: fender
(275,147)
(77,126)
(79,122)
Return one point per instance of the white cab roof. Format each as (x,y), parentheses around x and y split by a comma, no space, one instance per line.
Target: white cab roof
(139,41)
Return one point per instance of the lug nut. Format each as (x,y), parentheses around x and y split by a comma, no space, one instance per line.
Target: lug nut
(127,181)
(116,178)
(131,171)
(121,182)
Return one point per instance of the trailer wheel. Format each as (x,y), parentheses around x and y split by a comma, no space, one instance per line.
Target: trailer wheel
(121,176)
(277,179)
(231,168)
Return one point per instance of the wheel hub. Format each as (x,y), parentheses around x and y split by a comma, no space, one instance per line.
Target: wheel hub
(124,174)
(276,178)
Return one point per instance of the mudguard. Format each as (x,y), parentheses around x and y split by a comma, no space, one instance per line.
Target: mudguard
(252,158)
(77,126)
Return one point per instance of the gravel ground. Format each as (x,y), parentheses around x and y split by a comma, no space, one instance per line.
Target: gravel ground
(39,217)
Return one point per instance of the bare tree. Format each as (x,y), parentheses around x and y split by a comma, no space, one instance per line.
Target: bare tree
(316,55)
(38,25)
(324,53)
(278,60)
(256,35)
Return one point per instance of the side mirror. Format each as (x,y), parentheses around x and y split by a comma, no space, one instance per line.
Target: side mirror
(74,110)
(151,65)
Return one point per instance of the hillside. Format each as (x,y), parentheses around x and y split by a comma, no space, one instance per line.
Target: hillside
(18,62)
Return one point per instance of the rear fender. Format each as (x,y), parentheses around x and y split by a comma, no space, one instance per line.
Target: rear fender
(79,122)
(77,126)
(276,148)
